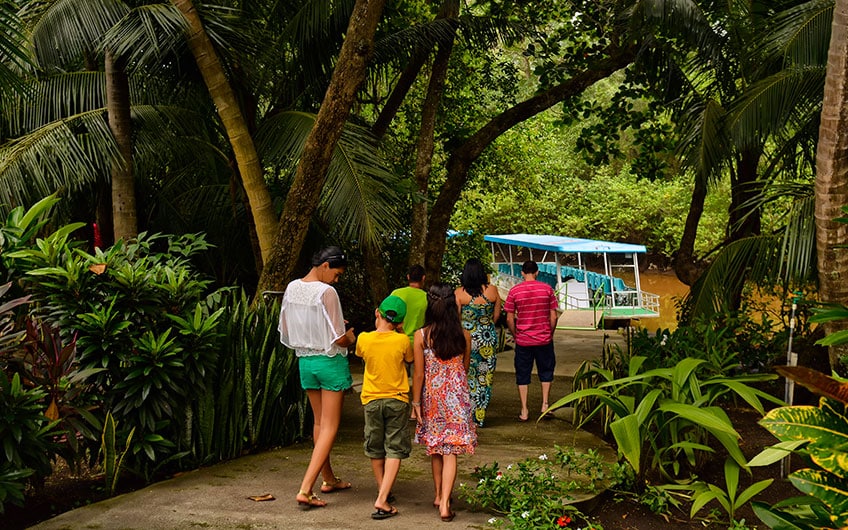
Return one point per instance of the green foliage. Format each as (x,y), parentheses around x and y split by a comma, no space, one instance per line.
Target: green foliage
(112,460)
(729,498)
(255,399)
(820,436)
(12,485)
(539,492)
(662,402)
(26,434)
(144,337)
(460,248)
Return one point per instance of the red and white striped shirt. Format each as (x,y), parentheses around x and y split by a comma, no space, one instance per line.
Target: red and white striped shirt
(532,302)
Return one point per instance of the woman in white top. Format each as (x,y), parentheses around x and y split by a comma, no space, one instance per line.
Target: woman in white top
(312,324)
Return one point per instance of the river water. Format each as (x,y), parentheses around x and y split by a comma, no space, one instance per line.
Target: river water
(669,289)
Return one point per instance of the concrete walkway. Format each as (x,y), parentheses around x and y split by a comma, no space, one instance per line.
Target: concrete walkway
(216,497)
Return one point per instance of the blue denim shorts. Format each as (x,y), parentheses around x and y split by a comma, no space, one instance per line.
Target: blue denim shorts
(319,372)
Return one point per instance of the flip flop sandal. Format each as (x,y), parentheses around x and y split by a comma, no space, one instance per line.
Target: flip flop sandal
(381,514)
(337,485)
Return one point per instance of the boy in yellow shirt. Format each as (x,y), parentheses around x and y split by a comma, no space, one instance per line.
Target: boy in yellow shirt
(385,395)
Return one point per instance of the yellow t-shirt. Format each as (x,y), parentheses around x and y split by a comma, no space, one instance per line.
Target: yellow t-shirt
(384,353)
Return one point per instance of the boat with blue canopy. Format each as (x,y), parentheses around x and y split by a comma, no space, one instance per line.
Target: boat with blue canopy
(595,281)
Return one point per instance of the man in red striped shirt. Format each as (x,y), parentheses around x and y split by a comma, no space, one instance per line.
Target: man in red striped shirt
(531,317)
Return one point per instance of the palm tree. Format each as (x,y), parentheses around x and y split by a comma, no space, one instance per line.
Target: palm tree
(831,181)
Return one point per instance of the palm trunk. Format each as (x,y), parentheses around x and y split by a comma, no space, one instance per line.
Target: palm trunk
(124,216)
(244,149)
(305,192)
(832,179)
(426,139)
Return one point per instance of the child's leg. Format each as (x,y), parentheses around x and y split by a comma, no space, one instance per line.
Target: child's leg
(436,463)
(391,468)
(378,466)
(448,478)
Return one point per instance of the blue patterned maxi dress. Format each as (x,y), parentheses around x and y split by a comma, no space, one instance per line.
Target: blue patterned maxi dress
(478,319)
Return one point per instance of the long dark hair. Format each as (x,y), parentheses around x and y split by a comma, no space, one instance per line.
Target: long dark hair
(474,277)
(444,331)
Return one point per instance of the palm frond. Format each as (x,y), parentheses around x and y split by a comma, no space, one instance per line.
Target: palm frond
(50,99)
(13,56)
(146,35)
(64,31)
(358,194)
(798,250)
(751,258)
(799,35)
(777,105)
(680,19)
(703,143)
(68,153)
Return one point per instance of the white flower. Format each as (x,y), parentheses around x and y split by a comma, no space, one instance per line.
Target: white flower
(509,467)
(482,480)
(499,477)
(543,457)
(665,338)
(525,515)
(493,520)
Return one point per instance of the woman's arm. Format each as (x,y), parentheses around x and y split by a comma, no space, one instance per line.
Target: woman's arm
(417,373)
(496,298)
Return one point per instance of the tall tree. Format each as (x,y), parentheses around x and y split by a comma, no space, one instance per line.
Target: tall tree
(832,177)
(303,196)
(235,125)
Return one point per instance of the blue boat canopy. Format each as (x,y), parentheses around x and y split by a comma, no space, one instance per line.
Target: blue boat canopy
(564,244)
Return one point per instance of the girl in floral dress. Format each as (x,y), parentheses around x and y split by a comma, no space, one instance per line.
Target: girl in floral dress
(441,401)
(480,306)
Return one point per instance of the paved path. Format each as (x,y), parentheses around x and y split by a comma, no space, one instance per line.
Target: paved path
(216,497)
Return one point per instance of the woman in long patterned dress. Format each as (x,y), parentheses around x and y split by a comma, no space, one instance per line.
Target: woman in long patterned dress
(440,398)
(479,306)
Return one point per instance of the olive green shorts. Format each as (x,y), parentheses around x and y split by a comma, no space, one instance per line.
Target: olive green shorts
(387,429)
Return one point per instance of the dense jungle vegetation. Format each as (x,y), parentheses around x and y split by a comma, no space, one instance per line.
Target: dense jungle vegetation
(164,163)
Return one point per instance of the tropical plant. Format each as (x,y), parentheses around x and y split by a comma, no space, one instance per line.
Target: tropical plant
(112,459)
(26,434)
(729,497)
(818,434)
(663,416)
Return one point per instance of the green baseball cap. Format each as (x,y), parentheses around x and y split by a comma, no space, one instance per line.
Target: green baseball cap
(393,309)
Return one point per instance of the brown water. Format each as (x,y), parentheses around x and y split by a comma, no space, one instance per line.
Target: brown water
(670,289)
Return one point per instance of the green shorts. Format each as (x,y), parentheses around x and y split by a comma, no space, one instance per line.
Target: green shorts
(387,429)
(319,372)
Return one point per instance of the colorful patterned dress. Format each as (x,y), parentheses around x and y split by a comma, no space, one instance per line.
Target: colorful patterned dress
(446,427)
(478,319)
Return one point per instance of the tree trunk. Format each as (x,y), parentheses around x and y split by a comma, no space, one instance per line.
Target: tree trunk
(461,159)
(426,139)
(124,216)
(244,149)
(832,178)
(303,196)
(685,266)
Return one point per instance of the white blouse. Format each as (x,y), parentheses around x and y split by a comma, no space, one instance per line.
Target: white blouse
(311,319)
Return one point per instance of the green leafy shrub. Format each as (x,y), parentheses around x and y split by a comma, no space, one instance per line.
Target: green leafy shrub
(539,492)
(26,434)
(664,408)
